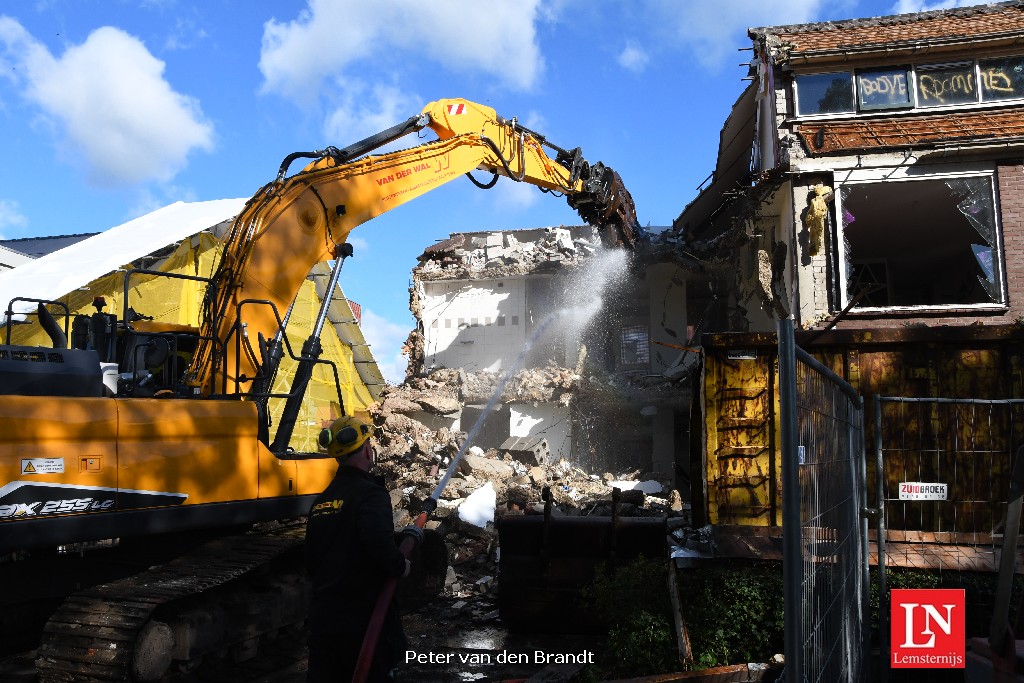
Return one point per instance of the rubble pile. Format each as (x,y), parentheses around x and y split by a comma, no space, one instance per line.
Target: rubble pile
(503,254)
(534,385)
(414,457)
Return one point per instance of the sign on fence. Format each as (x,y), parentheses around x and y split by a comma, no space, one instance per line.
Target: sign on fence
(916,490)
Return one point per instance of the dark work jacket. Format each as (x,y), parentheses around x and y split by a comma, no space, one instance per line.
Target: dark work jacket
(350,554)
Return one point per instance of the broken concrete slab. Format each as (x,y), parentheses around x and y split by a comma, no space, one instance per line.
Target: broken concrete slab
(438,404)
(531,450)
(482,466)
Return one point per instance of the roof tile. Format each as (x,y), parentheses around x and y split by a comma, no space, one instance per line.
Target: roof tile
(904,131)
(964,22)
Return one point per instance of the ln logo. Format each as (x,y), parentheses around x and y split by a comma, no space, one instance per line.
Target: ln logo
(927,628)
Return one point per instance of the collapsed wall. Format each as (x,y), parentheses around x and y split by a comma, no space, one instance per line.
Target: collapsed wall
(479,300)
(567,426)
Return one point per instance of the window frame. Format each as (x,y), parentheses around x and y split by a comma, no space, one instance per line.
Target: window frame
(913,70)
(872,176)
(853,94)
(623,329)
(908,73)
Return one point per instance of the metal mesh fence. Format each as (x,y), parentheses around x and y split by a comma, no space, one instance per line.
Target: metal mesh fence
(824,533)
(969,447)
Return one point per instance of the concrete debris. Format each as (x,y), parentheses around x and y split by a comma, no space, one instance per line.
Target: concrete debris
(502,254)
(487,468)
(415,448)
(533,385)
(649,487)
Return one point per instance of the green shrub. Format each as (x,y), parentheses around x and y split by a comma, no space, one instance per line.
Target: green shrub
(643,645)
(633,601)
(733,612)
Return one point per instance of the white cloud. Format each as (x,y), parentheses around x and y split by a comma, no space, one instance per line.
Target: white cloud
(363,112)
(911,6)
(359,245)
(713,31)
(11,216)
(633,57)
(147,200)
(535,120)
(386,339)
(329,36)
(112,103)
(510,195)
(184,35)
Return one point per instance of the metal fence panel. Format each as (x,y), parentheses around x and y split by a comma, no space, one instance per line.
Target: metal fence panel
(969,445)
(824,533)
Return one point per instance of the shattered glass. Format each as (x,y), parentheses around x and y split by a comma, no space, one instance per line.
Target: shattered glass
(975,203)
(847,218)
(920,242)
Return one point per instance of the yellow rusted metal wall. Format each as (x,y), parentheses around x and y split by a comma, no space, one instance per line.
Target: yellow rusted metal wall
(740,427)
(739,401)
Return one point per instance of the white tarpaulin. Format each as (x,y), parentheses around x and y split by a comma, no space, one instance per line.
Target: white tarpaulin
(54,275)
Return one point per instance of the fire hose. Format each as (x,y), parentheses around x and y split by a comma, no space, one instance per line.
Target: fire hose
(387,593)
(408,544)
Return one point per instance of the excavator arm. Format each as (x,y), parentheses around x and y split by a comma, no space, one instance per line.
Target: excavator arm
(295,222)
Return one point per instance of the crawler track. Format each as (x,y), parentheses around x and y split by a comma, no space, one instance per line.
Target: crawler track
(129,630)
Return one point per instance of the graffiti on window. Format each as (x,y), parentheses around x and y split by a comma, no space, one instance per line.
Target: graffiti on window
(1002,79)
(934,85)
(884,89)
(954,85)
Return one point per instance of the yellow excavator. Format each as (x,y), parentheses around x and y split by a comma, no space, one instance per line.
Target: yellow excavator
(180,447)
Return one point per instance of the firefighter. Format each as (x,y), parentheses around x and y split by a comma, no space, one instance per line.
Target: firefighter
(350,554)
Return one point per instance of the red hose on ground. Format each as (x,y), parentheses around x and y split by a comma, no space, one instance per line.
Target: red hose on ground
(380,610)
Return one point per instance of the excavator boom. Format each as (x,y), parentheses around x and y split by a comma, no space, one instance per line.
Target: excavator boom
(307,216)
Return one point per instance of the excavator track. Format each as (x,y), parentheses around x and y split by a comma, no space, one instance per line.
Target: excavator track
(132,629)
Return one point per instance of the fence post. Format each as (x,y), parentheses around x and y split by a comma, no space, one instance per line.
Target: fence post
(792,560)
(883,594)
(862,457)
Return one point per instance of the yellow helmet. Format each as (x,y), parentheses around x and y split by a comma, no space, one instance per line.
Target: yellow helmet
(345,436)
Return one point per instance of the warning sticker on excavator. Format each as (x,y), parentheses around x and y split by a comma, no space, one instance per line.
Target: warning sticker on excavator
(42,466)
(456,109)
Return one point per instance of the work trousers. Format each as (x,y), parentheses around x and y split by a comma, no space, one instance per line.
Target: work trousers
(333,657)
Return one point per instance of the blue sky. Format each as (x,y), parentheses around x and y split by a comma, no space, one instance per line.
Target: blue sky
(110,109)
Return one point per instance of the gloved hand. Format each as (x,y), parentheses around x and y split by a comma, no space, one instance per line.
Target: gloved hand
(414,532)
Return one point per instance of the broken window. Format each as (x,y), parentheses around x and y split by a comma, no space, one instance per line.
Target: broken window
(634,348)
(921,243)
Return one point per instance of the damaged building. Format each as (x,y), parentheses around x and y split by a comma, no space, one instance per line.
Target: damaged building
(868,186)
(595,389)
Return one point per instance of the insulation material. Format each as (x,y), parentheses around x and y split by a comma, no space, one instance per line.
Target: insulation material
(816,217)
(478,508)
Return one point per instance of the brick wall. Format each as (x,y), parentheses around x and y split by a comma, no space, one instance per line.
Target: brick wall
(1010,196)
